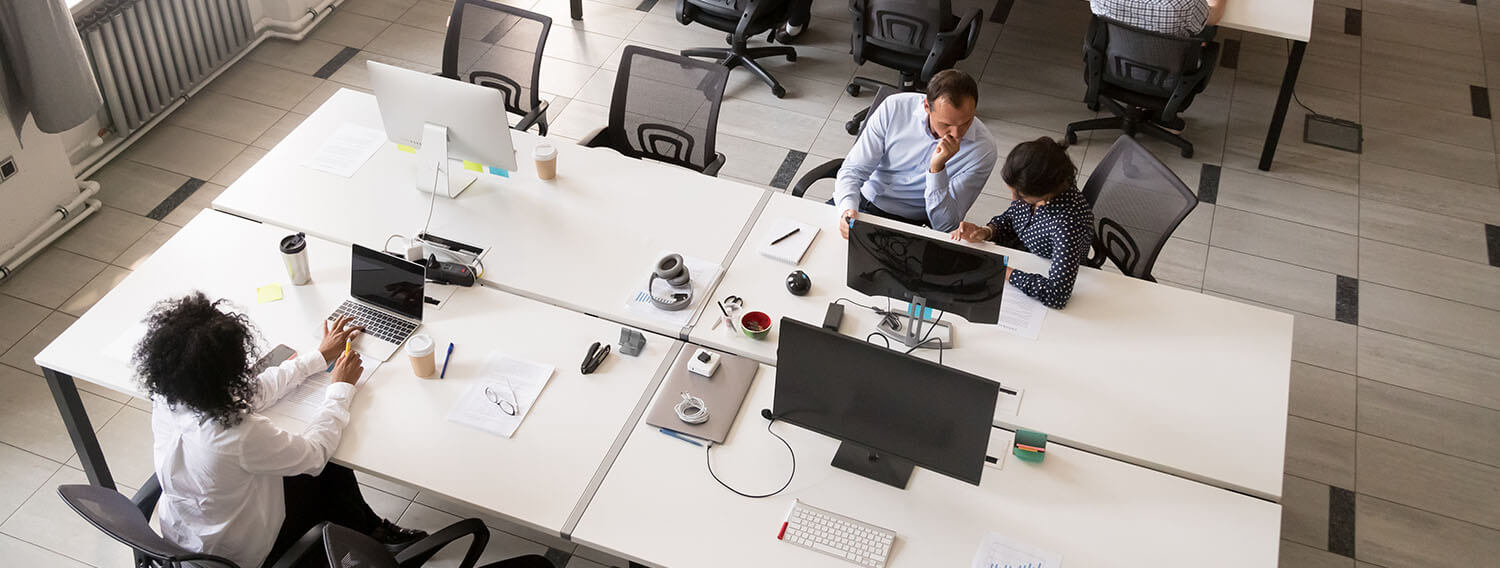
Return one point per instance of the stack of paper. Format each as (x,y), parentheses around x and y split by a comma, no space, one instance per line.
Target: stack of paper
(505,385)
(307,397)
(346,150)
(1021,314)
(997,551)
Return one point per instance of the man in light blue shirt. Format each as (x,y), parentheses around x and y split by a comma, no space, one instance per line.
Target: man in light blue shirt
(920,159)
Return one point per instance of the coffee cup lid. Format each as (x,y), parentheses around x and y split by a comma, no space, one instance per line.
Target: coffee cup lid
(292,244)
(419,345)
(544,151)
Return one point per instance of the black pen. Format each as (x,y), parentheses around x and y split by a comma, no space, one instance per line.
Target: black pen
(784,237)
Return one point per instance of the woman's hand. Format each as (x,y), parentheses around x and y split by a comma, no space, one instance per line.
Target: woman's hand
(336,336)
(967,231)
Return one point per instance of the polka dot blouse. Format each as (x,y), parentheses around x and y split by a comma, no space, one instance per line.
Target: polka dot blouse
(1062,230)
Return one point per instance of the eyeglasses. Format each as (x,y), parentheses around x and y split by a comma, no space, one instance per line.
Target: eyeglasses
(508,406)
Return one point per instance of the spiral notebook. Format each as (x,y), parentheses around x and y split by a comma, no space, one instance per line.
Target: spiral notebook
(723,394)
(790,249)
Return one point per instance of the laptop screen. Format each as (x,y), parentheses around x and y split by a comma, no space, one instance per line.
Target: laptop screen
(386,281)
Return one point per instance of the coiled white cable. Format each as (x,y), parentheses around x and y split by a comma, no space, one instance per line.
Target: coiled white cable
(692,409)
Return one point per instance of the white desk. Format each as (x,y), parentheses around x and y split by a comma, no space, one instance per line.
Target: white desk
(539,477)
(1095,511)
(582,241)
(1176,381)
(1287,19)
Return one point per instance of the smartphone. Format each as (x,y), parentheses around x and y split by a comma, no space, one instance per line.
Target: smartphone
(278,355)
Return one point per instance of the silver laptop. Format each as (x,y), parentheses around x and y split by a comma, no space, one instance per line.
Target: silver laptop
(387,300)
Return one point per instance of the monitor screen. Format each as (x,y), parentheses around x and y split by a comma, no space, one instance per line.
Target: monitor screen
(937,417)
(386,281)
(948,276)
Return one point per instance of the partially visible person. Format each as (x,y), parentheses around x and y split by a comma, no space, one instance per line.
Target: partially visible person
(799,14)
(921,159)
(1181,18)
(1048,217)
(233,483)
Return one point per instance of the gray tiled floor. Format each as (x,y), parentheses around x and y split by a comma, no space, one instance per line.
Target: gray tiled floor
(1402,408)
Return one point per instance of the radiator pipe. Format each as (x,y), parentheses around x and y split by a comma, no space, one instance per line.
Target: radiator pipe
(298,29)
(63,218)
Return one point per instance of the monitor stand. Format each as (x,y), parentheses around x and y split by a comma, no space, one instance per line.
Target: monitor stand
(857,459)
(432,165)
(940,334)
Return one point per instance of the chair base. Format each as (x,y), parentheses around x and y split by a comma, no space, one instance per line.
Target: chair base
(908,85)
(1132,121)
(746,56)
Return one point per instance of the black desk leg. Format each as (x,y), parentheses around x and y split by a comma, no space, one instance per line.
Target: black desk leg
(1288,84)
(76,418)
(576,7)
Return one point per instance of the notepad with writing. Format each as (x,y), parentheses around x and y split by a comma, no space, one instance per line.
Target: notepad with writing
(789,249)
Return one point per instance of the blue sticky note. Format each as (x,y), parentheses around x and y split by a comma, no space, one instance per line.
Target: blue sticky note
(926,313)
(499,172)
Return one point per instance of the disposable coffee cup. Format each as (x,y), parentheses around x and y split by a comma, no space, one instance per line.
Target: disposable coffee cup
(294,255)
(420,349)
(546,161)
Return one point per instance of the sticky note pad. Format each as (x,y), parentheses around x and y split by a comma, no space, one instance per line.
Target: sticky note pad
(1030,445)
(405,148)
(499,172)
(473,166)
(268,293)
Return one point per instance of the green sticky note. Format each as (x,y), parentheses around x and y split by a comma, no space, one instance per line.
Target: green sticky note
(405,148)
(268,293)
(473,166)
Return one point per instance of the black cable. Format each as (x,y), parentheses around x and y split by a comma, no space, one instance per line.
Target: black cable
(708,460)
(939,341)
(880,335)
(1294,90)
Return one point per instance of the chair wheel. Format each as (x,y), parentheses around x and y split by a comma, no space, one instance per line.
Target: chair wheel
(852,89)
(729,39)
(778,91)
(1070,138)
(791,56)
(771,37)
(852,127)
(1094,107)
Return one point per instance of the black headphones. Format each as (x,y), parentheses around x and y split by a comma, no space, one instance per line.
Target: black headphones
(674,271)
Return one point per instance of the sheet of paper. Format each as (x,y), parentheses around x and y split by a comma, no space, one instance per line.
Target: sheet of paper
(791,249)
(1008,404)
(702,275)
(347,150)
(303,402)
(268,293)
(998,551)
(515,383)
(1021,314)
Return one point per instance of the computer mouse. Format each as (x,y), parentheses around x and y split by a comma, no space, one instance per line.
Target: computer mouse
(798,283)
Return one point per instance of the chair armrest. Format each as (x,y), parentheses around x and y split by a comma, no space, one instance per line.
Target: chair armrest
(418,553)
(311,542)
(827,170)
(538,113)
(1192,83)
(967,29)
(713,167)
(145,498)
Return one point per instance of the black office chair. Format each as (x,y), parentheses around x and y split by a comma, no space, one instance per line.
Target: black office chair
(347,548)
(918,38)
(1144,78)
(474,50)
(665,107)
(741,19)
(1138,202)
(128,521)
(830,169)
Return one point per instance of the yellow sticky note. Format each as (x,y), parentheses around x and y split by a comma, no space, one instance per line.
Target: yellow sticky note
(473,166)
(405,148)
(268,293)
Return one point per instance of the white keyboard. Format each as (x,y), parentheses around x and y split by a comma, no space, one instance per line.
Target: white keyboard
(838,536)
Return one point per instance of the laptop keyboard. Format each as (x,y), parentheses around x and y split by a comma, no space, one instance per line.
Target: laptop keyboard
(377,324)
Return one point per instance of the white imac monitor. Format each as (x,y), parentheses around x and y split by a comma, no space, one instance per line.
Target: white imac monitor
(443,118)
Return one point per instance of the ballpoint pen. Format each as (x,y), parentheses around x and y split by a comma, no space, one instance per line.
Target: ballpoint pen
(446,358)
(786,236)
(680,436)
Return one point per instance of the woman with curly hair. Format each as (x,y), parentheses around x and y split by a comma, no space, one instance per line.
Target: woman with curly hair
(233,483)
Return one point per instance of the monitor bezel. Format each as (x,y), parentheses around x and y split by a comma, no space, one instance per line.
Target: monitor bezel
(966,310)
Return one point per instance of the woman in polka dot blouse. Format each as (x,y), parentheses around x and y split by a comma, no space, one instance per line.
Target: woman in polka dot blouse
(1048,217)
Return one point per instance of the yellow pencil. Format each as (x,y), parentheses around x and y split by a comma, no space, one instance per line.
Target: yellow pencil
(347,344)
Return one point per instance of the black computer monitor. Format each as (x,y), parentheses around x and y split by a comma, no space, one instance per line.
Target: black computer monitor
(891,410)
(943,274)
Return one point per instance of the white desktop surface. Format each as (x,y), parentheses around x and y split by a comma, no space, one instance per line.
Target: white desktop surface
(659,505)
(1289,19)
(398,427)
(583,240)
(1155,375)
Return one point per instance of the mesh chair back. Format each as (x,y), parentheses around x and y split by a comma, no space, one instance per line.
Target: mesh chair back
(1137,203)
(348,548)
(907,26)
(666,107)
(114,515)
(497,46)
(1145,62)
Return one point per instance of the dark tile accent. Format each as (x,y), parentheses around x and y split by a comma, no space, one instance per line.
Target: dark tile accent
(1341,521)
(1480,98)
(1492,238)
(1469,2)
(183,192)
(1346,300)
(1353,21)
(558,557)
(338,60)
(646,5)
(1208,184)
(788,169)
(1002,11)
(1229,54)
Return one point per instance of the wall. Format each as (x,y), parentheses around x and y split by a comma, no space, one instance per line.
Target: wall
(43,181)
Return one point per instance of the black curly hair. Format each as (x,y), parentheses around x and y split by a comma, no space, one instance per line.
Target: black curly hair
(199,356)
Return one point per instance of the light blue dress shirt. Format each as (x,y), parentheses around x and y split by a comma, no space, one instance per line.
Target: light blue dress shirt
(889,163)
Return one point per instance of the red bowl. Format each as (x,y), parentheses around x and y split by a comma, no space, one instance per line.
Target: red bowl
(756,324)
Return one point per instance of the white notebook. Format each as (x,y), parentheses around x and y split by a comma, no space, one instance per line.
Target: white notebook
(791,249)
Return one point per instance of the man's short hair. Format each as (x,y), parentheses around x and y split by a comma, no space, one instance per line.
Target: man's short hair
(954,85)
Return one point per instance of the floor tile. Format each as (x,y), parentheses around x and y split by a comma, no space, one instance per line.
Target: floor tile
(21,474)
(1454,14)
(1304,511)
(355,73)
(276,132)
(1294,555)
(321,95)
(135,187)
(385,485)
(126,441)
(580,119)
(305,57)
(264,84)
(832,139)
(195,203)
(1269,281)
(1181,261)
(430,15)
(46,521)
(349,28)
(803,96)
(51,277)
(768,124)
(1289,201)
(493,521)
(383,9)
(1421,62)
(1326,72)
(94,290)
(748,160)
(1323,168)
(602,558)
(1428,273)
(820,191)
(225,116)
(1198,225)
(30,420)
(598,18)
(1429,368)
(1452,427)
(26,554)
(1049,78)
(144,246)
(571,44)
(501,545)
(1427,318)
(828,65)
(1438,95)
(565,78)
(1421,230)
(668,33)
(409,43)
(389,507)
(1436,158)
(20,318)
(1396,535)
(1030,108)
(183,151)
(1430,481)
(1422,121)
(105,234)
(1409,31)
(239,165)
(1323,395)
(1303,245)
(1430,193)
(1320,452)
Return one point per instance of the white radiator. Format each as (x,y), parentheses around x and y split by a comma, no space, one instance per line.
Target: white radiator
(147,53)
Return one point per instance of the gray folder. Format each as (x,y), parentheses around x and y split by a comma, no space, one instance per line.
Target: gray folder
(723,394)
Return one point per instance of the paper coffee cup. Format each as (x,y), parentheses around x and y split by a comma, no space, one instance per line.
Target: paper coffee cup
(546,160)
(421,350)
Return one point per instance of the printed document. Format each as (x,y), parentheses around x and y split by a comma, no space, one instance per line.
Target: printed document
(304,400)
(502,397)
(347,150)
(1021,314)
(997,551)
